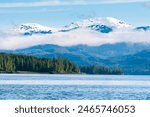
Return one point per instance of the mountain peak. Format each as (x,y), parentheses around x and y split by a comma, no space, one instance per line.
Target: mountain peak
(117,22)
(107,21)
(101,24)
(34,28)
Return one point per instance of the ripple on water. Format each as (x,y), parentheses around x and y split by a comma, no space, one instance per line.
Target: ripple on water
(74,87)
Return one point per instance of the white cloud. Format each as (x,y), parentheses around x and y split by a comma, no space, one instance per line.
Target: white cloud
(80,36)
(3,11)
(64,2)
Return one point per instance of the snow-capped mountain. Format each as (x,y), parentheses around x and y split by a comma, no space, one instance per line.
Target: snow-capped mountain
(33,28)
(104,25)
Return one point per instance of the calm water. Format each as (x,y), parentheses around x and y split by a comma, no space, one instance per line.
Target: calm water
(74,87)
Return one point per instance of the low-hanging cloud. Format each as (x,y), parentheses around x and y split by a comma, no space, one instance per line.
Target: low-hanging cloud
(12,41)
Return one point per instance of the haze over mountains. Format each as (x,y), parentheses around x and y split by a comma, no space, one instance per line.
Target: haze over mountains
(100,41)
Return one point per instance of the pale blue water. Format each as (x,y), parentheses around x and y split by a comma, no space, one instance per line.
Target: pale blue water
(74,87)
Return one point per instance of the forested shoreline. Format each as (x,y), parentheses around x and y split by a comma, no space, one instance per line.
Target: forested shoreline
(11,63)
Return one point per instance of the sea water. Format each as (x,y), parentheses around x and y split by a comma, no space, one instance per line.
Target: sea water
(73,87)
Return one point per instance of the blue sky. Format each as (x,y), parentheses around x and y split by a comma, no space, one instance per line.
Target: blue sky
(57,13)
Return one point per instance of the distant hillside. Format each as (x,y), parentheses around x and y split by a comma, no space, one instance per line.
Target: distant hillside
(135,64)
(133,58)
(83,54)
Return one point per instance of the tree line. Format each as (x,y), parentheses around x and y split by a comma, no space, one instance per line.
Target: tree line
(11,63)
(100,70)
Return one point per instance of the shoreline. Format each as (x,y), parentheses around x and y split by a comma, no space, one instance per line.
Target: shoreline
(38,73)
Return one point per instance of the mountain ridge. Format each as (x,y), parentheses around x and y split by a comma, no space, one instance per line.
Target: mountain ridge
(101,24)
(132,58)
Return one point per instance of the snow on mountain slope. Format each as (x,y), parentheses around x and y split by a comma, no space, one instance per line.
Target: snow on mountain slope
(103,25)
(99,24)
(33,28)
(92,32)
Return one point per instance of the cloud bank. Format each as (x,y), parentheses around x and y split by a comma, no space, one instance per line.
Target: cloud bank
(64,2)
(81,36)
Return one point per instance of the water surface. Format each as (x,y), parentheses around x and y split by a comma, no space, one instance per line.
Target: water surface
(74,87)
